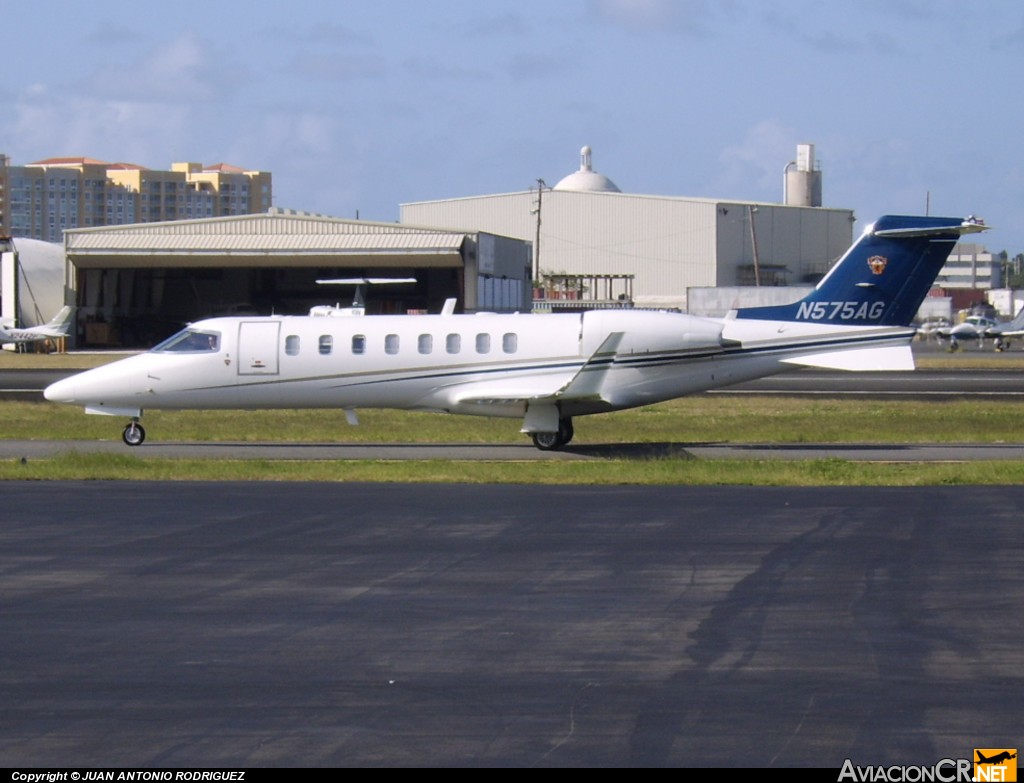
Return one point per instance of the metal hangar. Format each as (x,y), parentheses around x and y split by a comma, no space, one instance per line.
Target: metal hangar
(135,284)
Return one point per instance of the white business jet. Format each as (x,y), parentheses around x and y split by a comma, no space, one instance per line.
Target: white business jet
(57,327)
(545,369)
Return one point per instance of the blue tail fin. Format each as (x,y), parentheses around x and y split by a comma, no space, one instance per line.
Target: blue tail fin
(882,279)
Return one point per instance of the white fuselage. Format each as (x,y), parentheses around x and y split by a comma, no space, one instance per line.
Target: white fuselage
(486,364)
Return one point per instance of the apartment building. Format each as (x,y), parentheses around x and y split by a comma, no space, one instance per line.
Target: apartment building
(41,200)
(971,266)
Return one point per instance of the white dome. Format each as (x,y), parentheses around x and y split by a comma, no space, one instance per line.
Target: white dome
(586,179)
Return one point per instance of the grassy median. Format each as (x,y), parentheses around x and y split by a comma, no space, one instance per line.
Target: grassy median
(706,418)
(665,471)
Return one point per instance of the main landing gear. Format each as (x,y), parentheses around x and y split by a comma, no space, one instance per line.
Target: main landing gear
(133,434)
(552,441)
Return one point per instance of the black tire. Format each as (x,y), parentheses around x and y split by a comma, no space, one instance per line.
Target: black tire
(133,434)
(547,441)
(552,441)
(566,430)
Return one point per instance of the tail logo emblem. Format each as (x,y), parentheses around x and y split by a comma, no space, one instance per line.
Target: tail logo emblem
(877,264)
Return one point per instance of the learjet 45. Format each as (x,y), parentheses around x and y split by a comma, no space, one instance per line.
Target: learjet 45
(544,369)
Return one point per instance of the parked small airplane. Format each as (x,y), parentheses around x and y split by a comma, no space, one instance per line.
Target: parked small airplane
(979,327)
(974,327)
(1002,333)
(543,368)
(57,327)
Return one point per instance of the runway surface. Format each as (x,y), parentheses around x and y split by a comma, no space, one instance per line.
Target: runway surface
(150,624)
(520,452)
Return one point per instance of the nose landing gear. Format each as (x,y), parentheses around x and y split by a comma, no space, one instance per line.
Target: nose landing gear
(133,434)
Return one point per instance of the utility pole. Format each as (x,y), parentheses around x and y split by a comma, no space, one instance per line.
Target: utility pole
(751,210)
(541,184)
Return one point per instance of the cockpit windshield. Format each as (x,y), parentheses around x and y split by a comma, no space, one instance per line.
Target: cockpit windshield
(190,340)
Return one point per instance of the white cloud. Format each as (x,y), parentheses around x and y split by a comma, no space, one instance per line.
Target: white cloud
(44,124)
(340,67)
(143,110)
(184,69)
(754,166)
(686,16)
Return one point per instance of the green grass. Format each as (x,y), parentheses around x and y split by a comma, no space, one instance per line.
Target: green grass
(692,420)
(715,418)
(699,419)
(672,471)
(11,360)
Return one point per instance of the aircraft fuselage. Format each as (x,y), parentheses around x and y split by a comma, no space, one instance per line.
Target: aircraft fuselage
(471,364)
(430,362)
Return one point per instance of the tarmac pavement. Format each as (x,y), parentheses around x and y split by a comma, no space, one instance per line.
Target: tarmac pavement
(250,625)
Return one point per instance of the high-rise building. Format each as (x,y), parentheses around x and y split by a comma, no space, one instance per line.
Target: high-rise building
(42,199)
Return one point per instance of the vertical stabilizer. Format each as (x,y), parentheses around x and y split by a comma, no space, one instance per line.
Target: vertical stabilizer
(882,279)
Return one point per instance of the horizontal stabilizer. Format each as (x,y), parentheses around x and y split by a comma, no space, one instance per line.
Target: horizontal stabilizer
(366,280)
(893,357)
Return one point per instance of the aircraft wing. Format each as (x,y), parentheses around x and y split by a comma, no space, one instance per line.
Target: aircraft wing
(585,384)
(40,332)
(28,335)
(58,326)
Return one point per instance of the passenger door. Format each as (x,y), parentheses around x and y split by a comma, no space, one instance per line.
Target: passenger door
(258,350)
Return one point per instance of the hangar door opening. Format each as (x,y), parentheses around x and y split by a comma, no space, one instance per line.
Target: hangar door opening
(139,307)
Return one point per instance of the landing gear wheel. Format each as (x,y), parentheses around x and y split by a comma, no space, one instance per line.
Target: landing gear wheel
(133,434)
(546,441)
(565,430)
(552,441)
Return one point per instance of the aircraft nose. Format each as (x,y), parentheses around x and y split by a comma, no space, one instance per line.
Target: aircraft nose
(61,391)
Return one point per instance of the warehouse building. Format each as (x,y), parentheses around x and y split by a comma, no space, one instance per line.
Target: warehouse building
(664,245)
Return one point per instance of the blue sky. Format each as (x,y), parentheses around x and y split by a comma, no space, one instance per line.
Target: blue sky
(363,106)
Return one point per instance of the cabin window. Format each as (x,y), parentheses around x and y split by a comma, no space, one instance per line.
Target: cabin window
(326,344)
(291,345)
(453,343)
(510,342)
(426,343)
(359,343)
(391,344)
(483,343)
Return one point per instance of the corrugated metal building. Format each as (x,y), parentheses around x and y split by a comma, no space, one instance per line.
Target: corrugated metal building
(133,285)
(585,225)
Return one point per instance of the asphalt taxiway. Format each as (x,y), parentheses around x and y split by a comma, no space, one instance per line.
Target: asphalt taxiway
(518,452)
(249,625)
